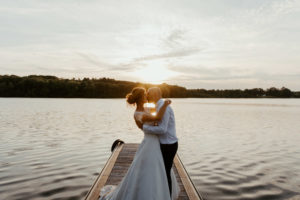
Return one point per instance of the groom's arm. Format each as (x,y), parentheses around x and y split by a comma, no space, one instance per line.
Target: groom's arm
(162,126)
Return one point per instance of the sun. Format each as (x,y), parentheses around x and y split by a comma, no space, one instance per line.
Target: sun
(154,74)
(151,108)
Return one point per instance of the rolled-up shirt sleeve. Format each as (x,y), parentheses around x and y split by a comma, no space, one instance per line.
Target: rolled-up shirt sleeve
(162,125)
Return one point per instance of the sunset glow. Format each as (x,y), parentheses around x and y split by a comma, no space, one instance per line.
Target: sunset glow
(149,105)
(151,108)
(154,74)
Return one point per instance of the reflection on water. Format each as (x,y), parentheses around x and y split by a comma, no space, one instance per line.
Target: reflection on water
(232,148)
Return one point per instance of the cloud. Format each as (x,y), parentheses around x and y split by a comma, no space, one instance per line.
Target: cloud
(201,73)
(104,66)
(206,73)
(94,61)
(175,39)
(173,54)
(217,42)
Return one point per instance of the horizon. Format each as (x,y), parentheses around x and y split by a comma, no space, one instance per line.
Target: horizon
(80,79)
(194,44)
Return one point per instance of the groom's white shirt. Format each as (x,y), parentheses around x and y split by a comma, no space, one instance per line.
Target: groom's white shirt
(166,127)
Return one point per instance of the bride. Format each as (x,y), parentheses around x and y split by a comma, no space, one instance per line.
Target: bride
(146,178)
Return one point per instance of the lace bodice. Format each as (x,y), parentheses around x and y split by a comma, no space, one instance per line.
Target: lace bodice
(138,115)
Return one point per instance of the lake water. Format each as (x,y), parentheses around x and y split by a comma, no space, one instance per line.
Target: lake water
(232,148)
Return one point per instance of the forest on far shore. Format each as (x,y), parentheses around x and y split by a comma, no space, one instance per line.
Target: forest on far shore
(54,87)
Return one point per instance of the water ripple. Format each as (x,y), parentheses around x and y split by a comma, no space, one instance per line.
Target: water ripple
(232,148)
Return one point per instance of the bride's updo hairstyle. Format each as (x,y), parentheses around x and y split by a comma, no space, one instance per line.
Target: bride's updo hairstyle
(136,95)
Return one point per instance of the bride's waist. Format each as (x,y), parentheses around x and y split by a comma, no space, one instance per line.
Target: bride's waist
(150,135)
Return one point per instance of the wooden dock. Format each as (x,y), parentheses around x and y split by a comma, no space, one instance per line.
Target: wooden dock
(118,164)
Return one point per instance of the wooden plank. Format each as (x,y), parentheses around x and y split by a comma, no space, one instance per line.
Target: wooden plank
(185,179)
(295,198)
(102,178)
(118,165)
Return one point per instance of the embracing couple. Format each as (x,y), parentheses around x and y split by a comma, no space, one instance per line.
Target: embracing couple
(150,176)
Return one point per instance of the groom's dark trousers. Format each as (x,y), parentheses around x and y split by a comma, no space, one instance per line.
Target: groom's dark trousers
(168,152)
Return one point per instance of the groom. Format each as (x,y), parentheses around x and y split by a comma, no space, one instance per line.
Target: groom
(165,130)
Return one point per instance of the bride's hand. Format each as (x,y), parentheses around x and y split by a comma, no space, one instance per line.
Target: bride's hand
(168,102)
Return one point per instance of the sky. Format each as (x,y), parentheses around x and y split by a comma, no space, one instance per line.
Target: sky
(215,44)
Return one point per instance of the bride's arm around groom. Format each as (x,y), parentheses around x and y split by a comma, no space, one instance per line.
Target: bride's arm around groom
(166,126)
(162,126)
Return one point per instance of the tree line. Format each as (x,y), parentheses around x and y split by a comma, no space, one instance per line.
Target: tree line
(53,87)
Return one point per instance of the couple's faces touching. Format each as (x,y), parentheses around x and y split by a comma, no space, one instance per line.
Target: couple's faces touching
(149,97)
(152,95)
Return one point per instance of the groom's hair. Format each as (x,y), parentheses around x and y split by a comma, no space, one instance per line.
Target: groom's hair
(155,91)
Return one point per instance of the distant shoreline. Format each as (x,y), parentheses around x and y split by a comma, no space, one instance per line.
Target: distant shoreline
(38,86)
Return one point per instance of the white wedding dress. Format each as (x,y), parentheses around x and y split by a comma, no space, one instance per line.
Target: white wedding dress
(146,178)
